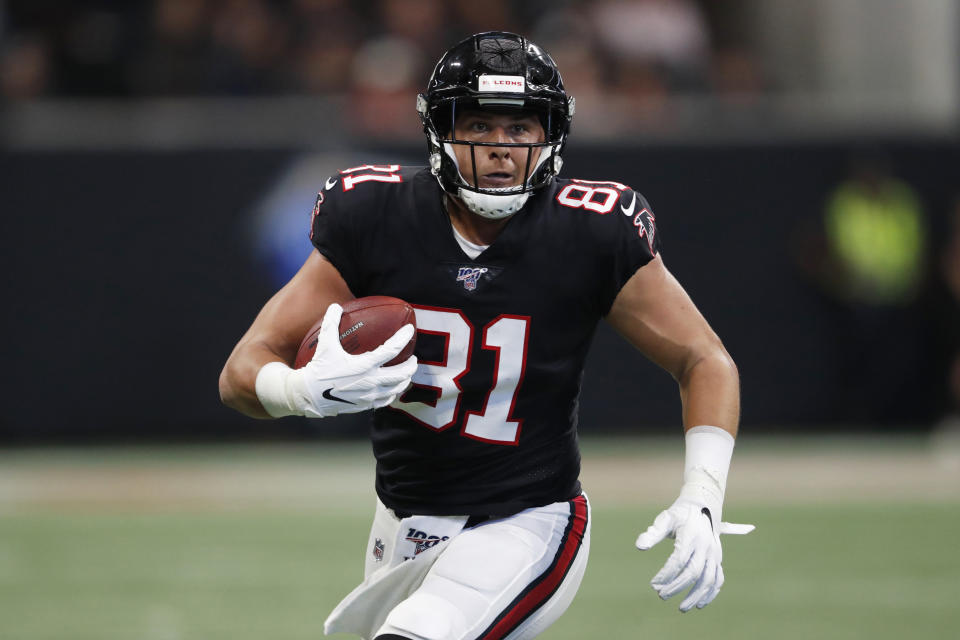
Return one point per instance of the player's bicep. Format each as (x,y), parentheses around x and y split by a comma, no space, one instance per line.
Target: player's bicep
(286,317)
(655,314)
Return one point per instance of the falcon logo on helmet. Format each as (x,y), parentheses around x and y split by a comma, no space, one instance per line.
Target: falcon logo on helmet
(497,70)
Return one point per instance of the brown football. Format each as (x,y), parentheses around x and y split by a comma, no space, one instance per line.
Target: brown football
(365,325)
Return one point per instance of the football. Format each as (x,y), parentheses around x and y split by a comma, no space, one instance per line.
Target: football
(365,325)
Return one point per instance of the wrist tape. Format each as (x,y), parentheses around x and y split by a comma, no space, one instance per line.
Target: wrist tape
(707,461)
(272,389)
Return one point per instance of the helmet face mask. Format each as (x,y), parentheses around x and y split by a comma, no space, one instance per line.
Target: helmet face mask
(495,72)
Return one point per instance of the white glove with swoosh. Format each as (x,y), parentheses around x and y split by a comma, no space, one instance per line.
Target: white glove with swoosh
(694,521)
(335,381)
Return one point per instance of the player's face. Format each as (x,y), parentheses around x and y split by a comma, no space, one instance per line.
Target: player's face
(497,166)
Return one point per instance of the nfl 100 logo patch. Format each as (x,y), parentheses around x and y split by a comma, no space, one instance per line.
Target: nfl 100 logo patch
(469,276)
(473,277)
(422,541)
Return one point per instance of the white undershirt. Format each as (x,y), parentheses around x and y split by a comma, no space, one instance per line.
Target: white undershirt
(470,248)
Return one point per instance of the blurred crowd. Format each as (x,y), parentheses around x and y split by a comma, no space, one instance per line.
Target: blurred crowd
(634,52)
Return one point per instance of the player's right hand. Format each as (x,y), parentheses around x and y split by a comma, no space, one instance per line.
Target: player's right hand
(335,381)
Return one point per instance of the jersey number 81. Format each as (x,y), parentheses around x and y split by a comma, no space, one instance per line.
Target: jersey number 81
(507,336)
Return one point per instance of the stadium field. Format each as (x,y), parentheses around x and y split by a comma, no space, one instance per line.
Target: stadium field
(856,538)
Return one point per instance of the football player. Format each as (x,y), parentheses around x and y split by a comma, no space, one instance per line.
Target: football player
(481,528)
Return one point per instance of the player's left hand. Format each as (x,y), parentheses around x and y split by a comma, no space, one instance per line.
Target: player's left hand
(694,522)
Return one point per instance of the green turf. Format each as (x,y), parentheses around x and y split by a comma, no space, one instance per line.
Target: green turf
(835,572)
(872,572)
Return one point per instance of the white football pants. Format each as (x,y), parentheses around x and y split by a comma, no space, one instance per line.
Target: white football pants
(509,578)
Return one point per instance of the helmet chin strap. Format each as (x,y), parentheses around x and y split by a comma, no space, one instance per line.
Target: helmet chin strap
(494,203)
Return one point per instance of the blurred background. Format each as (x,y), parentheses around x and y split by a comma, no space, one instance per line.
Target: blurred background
(159,161)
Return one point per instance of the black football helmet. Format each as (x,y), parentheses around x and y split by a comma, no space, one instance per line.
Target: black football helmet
(495,70)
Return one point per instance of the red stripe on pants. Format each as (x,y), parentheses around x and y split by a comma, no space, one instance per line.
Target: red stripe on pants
(548,582)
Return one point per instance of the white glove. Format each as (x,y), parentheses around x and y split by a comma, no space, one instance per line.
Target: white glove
(335,381)
(694,521)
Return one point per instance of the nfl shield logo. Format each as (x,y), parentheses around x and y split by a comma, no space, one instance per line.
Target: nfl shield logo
(378,550)
(469,276)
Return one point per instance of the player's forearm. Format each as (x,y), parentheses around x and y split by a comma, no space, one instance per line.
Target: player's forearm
(239,377)
(710,391)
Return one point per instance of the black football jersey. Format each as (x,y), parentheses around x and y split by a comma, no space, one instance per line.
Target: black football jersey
(489,426)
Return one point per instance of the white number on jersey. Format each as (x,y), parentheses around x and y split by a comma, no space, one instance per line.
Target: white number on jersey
(579,195)
(507,336)
(382,173)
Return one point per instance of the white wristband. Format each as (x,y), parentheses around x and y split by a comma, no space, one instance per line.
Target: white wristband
(271,389)
(707,462)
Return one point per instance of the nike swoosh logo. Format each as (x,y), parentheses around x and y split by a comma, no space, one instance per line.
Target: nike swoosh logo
(704,511)
(330,182)
(330,396)
(628,211)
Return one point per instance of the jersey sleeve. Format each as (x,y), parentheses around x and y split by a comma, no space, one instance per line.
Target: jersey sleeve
(332,231)
(635,242)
